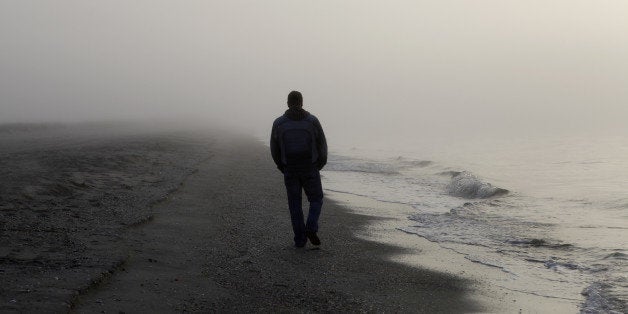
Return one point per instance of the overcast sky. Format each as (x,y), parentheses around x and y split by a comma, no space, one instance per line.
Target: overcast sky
(364,67)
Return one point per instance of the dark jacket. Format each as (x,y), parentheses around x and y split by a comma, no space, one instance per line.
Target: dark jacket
(297,140)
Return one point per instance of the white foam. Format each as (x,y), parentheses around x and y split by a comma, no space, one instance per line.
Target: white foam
(597,301)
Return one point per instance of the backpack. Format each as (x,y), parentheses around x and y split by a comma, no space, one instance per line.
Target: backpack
(298,142)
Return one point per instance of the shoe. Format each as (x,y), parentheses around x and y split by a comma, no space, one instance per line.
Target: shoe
(299,244)
(313,238)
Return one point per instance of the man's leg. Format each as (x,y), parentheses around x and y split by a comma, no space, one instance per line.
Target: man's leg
(314,191)
(294,187)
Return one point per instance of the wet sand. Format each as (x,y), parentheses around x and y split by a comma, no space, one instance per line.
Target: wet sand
(221,241)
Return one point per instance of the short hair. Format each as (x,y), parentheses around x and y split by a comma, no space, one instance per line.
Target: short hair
(295,99)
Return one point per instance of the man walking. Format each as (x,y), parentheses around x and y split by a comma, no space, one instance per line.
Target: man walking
(299,149)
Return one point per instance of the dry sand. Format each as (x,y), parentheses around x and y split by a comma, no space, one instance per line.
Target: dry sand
(219,242)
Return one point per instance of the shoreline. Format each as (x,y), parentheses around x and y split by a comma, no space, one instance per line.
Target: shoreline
(421,253)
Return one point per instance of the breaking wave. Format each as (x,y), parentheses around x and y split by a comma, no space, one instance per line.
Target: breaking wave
(466,185)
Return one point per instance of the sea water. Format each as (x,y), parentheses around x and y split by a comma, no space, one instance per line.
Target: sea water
(551,213)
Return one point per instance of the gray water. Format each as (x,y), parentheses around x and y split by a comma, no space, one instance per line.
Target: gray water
(552,213)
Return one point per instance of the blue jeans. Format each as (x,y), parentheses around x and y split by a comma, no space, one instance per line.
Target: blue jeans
(308,180)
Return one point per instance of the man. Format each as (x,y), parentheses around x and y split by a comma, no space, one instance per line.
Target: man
(299,149)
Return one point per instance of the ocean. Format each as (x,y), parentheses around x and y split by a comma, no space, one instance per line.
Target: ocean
(549,212)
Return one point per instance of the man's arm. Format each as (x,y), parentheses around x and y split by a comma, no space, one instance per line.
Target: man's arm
(275,148)
(321,145)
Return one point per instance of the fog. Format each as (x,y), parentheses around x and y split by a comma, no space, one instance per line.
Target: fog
(365,68)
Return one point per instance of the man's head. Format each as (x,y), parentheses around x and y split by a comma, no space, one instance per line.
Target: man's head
(295,99)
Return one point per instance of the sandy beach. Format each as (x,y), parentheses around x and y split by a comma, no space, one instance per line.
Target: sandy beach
(184,222)
(474,156)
